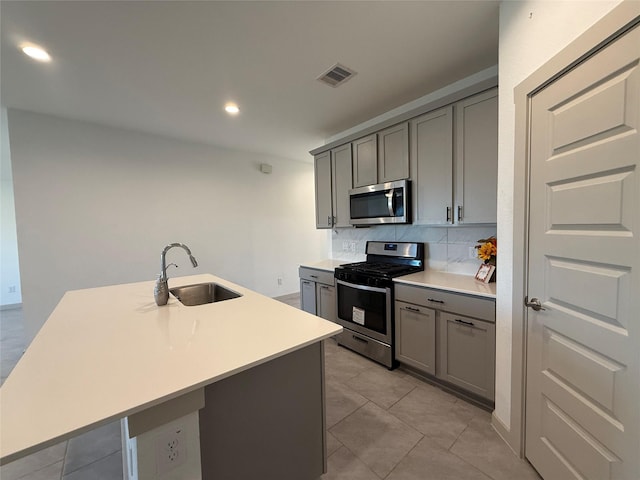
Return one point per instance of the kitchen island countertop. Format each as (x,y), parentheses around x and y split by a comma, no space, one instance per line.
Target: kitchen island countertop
(106,353)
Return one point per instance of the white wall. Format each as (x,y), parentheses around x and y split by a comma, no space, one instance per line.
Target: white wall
(531,32)
(9,269)
(96,205)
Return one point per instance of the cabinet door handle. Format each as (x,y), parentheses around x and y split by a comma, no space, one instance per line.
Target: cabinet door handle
(329,220)
(362,340)
(413,309)
(313,276)
(435,301)
(470,324)
(324,287)
(459,212)
(448,214)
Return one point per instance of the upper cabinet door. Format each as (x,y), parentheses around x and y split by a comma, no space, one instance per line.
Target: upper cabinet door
(324,215)
(393,153)
(341,171)
(365,161)
(477,158)
(432,167)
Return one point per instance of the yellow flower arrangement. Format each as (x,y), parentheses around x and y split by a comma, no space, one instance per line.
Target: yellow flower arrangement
(488,250)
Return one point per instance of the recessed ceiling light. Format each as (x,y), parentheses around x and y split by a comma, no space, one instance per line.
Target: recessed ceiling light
(232,108)
(35,52)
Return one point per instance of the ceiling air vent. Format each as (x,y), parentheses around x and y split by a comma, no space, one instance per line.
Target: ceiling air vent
(336,75)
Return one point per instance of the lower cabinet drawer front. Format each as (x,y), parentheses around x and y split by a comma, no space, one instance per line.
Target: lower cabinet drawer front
(320,276)
(467,353)
(478,307)
(416,336)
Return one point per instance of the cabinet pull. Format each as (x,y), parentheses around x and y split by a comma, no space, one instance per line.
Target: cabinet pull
(329,220)
(324,287)
(470,324)
(448,214)
(459,212)
(362,340)
(313,276)
(412,309)
(435,301)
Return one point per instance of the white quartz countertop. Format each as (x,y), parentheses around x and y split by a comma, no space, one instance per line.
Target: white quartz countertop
(328,265)
(106,353)
(427,278)
(449,281)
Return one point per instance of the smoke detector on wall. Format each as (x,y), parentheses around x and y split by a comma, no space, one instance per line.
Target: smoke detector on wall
(336,75)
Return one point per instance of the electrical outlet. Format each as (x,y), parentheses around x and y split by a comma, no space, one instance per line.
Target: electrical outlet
(473,253)
(171,450)
(12,289)
(279,282)
(345,245)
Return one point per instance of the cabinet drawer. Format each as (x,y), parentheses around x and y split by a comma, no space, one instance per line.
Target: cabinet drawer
(320,276)
(484,308)
(467,353)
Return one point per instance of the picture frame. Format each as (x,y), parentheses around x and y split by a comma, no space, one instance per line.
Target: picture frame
(485,272)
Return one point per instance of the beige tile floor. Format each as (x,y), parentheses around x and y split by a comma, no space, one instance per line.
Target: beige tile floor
(381,425)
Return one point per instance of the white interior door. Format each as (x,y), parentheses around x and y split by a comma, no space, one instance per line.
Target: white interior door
(583,347)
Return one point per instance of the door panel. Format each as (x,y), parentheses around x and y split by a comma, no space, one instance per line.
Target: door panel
(583,354)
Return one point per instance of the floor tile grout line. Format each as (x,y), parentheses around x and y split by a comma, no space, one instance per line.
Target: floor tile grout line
(90,463)
(487,474)
(64,459)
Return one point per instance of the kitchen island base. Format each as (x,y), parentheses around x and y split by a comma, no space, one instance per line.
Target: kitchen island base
(268,421)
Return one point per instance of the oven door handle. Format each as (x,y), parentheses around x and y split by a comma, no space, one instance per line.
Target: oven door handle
(362,287)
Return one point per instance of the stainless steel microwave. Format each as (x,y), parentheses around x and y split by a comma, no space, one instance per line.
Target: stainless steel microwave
(383,203)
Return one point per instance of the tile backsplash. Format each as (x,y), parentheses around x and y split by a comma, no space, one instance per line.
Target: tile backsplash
(446,248)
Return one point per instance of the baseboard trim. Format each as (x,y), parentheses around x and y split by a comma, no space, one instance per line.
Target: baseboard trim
(504,433)
(288,296)
(11,306)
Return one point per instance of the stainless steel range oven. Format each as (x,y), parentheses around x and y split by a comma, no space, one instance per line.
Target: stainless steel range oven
(365,297)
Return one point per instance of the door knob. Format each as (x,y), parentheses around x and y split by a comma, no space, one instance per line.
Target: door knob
(533,303)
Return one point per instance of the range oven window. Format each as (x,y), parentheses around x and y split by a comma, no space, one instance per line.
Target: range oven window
(372,302)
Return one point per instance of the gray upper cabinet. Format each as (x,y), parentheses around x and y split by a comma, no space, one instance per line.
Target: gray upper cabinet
(450,154)
(477,158)
(471,126)
(365,161)
(324,210)
(393,153)
(333,182)
(432,167)
(341,183)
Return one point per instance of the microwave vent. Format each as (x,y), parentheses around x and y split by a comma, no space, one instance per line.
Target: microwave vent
(336,75)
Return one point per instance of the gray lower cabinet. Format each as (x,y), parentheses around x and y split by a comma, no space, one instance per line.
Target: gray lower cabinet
(416,336)
(308,296)
(467,353)
(318,292)
(448,336)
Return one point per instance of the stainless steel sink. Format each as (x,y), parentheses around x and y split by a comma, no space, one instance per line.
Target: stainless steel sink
(201,293)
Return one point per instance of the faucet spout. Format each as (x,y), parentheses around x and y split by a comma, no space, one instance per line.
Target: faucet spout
(161,291)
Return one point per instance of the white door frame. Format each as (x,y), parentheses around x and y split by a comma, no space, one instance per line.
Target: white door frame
(601,33)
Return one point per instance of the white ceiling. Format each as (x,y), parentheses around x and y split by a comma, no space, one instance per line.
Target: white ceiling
(168,67)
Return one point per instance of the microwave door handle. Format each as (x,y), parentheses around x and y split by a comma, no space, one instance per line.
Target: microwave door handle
(390,203)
